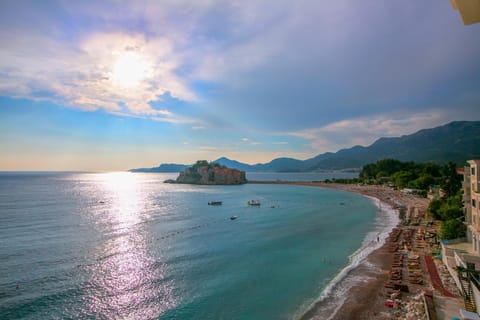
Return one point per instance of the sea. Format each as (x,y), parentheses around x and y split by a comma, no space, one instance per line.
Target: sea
(125,245)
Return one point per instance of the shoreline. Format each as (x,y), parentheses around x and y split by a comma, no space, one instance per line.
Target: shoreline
(366,299)
(359,272)
(366,296)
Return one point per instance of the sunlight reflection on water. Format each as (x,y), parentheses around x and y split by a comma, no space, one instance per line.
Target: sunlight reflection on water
(126,282)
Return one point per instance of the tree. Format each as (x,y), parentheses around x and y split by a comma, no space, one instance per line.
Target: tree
(201,163)
(450,210)
(451,181)
(211,176)
(402,178)
(431,169)
(452,229)
(422,182)
(368,171)
(434,208)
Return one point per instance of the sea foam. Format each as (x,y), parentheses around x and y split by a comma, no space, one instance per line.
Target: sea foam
(334,294)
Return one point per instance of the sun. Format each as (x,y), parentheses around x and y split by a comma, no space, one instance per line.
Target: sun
(130,69)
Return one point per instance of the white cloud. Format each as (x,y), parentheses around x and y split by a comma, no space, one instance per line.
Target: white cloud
(83,76)
(364,131)
(274,54)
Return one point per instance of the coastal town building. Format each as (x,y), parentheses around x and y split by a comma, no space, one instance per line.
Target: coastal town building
(471,203)
(462,257)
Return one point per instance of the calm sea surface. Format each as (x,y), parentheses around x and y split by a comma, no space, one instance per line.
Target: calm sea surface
(127,246)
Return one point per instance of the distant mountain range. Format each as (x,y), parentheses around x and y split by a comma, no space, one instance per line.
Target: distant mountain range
(457,141)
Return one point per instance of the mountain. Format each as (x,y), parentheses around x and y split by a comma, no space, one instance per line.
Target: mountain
(165,167)
(234,164)
(276,165)
(456,141)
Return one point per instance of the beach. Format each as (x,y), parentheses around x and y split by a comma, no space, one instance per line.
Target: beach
(367,298)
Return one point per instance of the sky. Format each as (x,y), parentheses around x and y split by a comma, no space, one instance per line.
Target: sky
(114,85)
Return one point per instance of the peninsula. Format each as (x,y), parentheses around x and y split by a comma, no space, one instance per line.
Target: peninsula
(206,173)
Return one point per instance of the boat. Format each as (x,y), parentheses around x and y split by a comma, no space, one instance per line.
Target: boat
(253,203)
(215,203)
(233,217)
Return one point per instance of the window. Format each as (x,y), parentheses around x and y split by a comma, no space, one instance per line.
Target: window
(473,171)
(474,204)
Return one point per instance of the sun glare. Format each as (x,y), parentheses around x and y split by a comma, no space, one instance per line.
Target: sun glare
(130,69)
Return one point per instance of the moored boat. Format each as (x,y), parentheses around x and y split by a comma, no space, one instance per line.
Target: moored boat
(253,203)
(215,203)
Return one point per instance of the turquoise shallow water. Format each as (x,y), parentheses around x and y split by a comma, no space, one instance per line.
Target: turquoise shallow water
(124,245)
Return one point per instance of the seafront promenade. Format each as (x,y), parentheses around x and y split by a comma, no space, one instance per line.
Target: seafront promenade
(405,281)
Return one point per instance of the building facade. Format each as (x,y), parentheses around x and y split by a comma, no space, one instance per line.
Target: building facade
(462,259)
(471,197)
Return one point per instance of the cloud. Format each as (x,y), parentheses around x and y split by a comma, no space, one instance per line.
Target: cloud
(72,60)
(82,76)
(366,130)
(321,63)
(274,64)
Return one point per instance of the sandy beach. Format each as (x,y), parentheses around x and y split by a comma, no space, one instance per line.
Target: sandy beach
(367,299)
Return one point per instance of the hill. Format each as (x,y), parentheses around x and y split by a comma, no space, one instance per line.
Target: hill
(456,141)
(165,167)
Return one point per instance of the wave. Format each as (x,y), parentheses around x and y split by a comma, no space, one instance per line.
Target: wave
(334,294)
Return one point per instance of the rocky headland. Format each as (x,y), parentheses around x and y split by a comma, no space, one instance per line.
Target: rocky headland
(206,173)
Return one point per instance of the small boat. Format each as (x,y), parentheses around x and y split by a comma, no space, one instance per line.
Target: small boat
(233,217)
(253,203)
(215,203)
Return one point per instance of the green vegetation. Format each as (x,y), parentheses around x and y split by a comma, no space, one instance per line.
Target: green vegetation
(193,170)
(452,181)
(452,229)
(420,177)
(206,173)
(449,210)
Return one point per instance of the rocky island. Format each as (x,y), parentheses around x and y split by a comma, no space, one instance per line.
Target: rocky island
(206,173)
